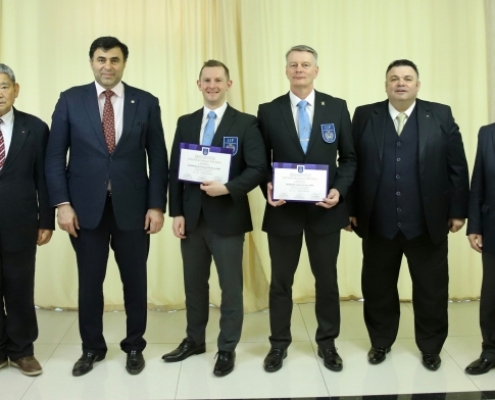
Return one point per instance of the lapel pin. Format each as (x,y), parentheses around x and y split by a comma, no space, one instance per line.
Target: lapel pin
(322,103)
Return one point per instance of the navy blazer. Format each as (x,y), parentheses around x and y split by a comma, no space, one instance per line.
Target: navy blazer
(24,203)
(83,179)
(481,217)
(282,145)
(443,172)
(228,214)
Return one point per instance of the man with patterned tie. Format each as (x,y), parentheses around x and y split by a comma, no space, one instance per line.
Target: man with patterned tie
(306,127)
(411,187)
(104,195)
(26,219)
(211,218)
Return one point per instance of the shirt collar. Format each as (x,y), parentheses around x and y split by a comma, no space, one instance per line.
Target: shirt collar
(393,111)
(117,89)
(8,118)
(295,100)
(218,111)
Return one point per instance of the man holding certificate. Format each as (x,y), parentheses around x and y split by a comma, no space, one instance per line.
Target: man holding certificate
(217,158)
(304,132)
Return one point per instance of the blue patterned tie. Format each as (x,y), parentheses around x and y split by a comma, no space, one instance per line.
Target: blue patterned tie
(303,124)
(209,129)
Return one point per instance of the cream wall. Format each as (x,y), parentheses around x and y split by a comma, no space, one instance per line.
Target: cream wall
(46,42)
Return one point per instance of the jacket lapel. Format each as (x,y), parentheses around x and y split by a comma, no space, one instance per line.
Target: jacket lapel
(288,120)
(424,125)
(131,103)
(224,127)
(19,135)
(91,103)
(379,123)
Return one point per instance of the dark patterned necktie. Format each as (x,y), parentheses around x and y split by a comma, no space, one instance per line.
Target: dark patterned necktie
(108,121)
(2,147)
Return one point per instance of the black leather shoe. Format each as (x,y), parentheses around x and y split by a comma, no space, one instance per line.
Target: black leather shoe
(85,363)
(431,361)
(225,363)
(187,348)
(376,355)
(274,359)
(135,362)
(331,358)
(480,366)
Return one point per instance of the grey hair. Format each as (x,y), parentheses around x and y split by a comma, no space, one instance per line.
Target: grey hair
(5,69)
(302,47)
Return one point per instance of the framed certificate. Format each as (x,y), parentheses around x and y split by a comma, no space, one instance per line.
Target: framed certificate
(300,182)
(204,163)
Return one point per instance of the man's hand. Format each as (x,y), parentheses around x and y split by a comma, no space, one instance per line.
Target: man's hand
(476,241)
(277,203)
(179,227)
(353,221)
(67,219)
(44,236)
(153,221)
(331,200)
(214,188)
(456,224)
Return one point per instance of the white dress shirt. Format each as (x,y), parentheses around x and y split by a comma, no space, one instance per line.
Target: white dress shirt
(220,111)
(393,113)
(310,108)
(117,104)
(7,127)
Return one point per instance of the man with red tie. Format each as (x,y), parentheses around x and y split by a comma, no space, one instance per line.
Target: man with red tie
(104,195)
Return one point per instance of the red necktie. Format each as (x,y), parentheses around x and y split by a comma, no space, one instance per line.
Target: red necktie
(2,148)
(108,121)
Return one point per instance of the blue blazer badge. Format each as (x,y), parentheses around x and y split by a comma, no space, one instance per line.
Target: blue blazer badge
(231,143)
(328,133)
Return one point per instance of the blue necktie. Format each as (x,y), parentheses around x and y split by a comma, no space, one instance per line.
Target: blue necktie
(209,129)
(303,124)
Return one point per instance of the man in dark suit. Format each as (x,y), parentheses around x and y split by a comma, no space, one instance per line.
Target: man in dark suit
(26,219)
(104,195)
(211,218)
(481,234)
(411,187)
(329,137)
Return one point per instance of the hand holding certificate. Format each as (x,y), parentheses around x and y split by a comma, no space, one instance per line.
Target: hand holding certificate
(204,163)
(300,182)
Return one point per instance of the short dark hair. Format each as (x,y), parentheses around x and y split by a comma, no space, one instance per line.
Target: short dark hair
(106,43)
(215,63)
(402,63)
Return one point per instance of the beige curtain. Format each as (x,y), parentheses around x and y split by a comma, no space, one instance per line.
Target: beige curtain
(46,42)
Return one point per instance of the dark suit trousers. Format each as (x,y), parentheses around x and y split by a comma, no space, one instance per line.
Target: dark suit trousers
(197,251)
(428,267)
(131,252)
(323,251)
(18,325)
(487,307)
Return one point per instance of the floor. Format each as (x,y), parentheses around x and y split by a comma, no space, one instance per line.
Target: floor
(400,377)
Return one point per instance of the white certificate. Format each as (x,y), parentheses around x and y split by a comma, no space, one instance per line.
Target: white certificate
(300,182)
(204,163)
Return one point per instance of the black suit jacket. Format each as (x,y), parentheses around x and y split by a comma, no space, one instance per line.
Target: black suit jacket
(481,216)
(83,181)
(24,203)
(282,145)
(443,173)
(228,214)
